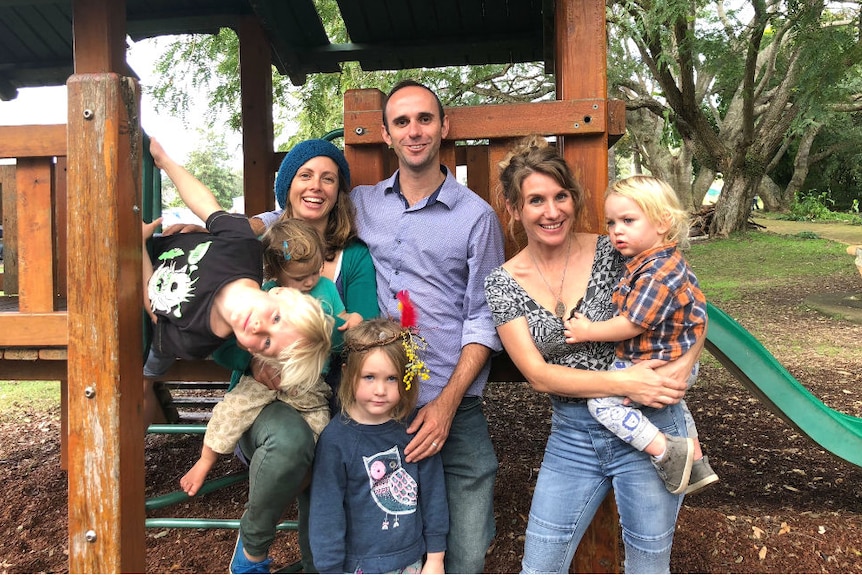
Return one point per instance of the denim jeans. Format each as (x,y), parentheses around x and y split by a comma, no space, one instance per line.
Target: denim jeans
(470,467)
(280,449)
(582,462)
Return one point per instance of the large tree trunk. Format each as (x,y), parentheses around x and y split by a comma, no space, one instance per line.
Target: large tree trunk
(734,205)
(801,165)
(770,195)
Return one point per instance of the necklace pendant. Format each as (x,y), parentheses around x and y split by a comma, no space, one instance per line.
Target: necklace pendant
(560,309)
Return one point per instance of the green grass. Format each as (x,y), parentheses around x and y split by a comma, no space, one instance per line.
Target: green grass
(18,396)
(746,262)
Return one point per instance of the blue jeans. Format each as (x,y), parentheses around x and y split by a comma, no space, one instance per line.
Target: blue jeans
(582,462)
(470,467)
(280,449)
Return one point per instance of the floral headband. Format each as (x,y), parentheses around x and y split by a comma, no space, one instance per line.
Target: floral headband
(412,342)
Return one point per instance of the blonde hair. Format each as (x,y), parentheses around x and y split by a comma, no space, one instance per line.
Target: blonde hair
(301,363)
(533,155)
(659,203)
(290,241)
(373,334)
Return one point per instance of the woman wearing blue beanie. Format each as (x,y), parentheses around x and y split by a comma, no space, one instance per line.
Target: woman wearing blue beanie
(313,184)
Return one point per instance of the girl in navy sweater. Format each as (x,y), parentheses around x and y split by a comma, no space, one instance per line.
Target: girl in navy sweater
(371,511)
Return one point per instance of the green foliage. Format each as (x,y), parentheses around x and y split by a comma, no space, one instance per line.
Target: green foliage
(814,206)
(749,261)
(209,163)
(17,397)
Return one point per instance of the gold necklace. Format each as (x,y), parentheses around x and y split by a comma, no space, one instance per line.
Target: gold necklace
(559,307)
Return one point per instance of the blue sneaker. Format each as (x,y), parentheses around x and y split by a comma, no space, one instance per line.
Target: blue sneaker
(239,563)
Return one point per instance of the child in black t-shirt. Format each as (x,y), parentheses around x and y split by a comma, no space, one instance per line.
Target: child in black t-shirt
(201,289)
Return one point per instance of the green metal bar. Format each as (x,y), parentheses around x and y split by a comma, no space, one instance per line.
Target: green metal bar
(177,428)
(208,487)
(333,134)
(199,523)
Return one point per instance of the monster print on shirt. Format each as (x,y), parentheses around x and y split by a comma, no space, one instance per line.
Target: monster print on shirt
(170,287)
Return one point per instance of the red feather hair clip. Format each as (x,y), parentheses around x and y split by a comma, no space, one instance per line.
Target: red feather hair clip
(412,341)
(408,312)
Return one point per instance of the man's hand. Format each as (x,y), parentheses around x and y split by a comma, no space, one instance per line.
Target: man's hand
(148,229)
(431,426)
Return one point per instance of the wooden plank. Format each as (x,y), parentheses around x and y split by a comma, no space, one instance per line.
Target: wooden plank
(367,162)
(32,141)
(33,329)
(32,370)
(61,209)
(54,354)
(35,235)
(8,188)
(257,128)
(569,117)
(27,354)
(64,421)
(106,446)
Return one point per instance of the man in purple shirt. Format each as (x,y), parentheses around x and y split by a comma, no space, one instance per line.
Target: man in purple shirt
(438,240)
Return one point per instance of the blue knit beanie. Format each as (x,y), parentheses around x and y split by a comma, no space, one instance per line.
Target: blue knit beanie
(301,153)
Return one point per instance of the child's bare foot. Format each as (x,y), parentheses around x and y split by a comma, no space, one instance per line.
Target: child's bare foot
(192,481)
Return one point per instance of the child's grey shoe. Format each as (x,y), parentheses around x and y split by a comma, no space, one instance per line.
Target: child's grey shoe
(701,476)
(675,467)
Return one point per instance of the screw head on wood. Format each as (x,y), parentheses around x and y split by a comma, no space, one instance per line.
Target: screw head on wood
(88,114)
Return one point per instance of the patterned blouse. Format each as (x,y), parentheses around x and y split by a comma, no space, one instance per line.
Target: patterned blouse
(508,301)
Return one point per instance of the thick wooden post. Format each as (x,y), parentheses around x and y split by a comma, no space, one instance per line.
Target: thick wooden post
(367,163)
(581,73)
(106,445)
(257,130)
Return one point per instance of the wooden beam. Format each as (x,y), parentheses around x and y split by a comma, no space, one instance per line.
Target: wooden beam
(571,117)
(106,446)
(32,141)
(257,128)
(33,329)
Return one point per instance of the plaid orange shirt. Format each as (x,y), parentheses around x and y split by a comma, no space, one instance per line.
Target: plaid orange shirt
(660,293)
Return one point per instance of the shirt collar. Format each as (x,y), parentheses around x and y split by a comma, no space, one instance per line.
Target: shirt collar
(394,186)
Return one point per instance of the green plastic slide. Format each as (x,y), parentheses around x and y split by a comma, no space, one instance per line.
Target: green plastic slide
(758,370)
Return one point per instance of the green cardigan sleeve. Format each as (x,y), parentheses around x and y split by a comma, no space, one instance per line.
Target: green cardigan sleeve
(357,282)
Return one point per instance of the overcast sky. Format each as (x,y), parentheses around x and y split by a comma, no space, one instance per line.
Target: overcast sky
(49,106)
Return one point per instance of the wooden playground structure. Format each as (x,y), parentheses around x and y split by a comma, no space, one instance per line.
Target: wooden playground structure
(74,200)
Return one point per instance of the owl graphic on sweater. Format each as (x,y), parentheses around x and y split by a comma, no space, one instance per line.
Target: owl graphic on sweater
(393,489)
